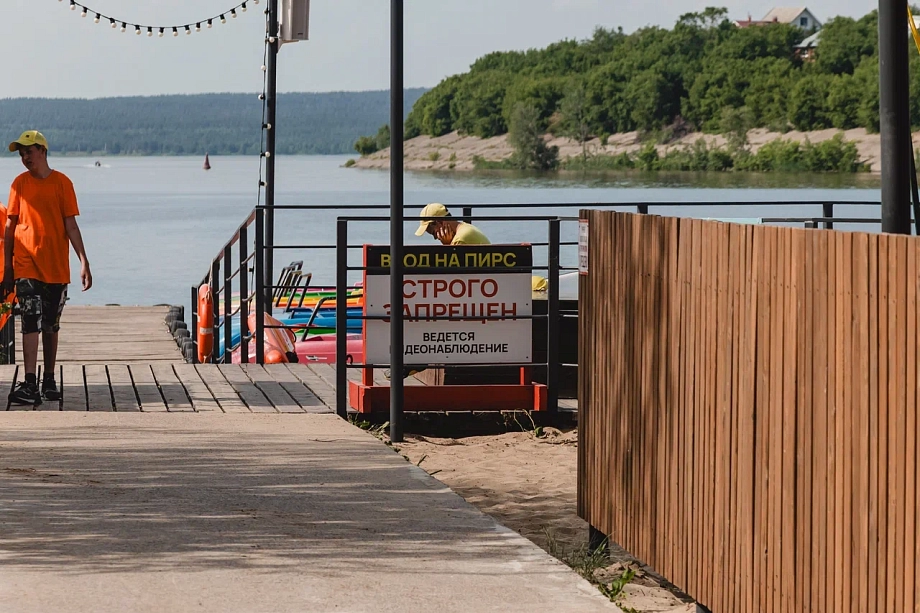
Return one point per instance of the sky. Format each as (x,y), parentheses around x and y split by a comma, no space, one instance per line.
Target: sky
(50,51)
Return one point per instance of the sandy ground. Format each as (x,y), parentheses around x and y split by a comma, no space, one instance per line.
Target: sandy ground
(529,485)
(455,152)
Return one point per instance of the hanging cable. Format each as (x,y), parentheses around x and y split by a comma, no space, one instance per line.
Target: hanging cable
(175,28)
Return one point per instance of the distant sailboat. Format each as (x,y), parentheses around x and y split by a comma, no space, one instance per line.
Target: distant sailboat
(207,162)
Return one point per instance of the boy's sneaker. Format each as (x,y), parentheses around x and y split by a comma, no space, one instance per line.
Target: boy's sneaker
(25,393)
(50,391)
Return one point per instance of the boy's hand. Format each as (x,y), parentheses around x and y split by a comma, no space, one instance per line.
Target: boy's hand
(86,276)
(6,286)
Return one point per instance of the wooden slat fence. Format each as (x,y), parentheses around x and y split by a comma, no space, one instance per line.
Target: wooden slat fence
(748,410)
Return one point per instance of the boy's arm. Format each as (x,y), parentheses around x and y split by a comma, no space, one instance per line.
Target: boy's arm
(76,239)
(9,236)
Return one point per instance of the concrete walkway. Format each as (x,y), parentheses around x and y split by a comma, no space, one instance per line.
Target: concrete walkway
(248,513)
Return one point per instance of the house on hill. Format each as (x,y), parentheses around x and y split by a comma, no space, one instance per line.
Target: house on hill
(800,17)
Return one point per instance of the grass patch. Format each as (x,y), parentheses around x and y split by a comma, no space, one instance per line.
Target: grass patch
(351,162)
(586,562)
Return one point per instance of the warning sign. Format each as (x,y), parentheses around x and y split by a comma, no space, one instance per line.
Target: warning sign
(469,316)
(582,246)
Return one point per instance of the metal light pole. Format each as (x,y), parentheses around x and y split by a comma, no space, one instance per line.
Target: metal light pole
(271,66)
(894,116)
(396,220)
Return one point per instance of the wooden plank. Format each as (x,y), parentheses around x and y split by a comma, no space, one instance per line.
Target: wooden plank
(148,393)
(873,427)
(226,397)
(910,430)
(805,411)
(748,375)
(894,396)
(200,396)
(845,302)
(859,376)
(73,388)
(249,393)
(898,500)
(833,538)
(295,388)
(273,390)
(174,394)
(98,392)
(819,351)
(882,361)
(316,384)
(123,389)
(789,432)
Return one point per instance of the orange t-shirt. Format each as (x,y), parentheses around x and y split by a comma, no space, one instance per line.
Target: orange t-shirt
(2,225)
(42,248)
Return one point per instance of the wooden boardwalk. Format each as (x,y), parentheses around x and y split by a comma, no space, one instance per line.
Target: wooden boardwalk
(124,359)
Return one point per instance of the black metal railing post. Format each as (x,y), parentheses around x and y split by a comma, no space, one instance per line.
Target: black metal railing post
(215,308)
(828,210)
(642,209)
(468,214)
(811,225)
(341,318)
(194,330)
(260,286)
(244,295)
(226,327)
(553,320)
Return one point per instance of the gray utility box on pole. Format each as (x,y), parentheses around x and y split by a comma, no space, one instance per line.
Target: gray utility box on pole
(295,20)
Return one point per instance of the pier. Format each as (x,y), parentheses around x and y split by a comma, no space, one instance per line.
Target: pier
(123,359)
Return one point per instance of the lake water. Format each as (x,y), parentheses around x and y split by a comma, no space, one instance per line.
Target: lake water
(151,225)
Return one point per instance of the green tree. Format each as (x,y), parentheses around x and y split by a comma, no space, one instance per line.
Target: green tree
(576,119)
(735,125)
(478,103)
(530,148)
(366,145)
(808,108)
(845,42)
(382,140)
(843,102)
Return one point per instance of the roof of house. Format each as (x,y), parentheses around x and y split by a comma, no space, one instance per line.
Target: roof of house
(784,15)
(810,42)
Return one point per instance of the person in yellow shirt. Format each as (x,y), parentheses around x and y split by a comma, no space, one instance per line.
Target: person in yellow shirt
(449,231)
(42,222)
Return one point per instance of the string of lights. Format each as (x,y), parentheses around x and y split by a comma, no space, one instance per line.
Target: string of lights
(139,28)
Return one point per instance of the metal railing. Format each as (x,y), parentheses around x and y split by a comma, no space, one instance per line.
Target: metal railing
(552,317)
(235,264)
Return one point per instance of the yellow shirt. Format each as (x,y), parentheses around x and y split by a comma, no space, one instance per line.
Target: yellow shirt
(468,234)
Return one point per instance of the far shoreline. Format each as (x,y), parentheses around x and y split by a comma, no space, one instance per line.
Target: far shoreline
(455,152)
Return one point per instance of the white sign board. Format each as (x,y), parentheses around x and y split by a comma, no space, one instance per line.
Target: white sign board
(498,296)
(583,246)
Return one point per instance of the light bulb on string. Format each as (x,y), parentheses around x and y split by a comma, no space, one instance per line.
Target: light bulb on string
(124,26)
(96,20)
(198,27)
(188,30)
(137,30)
(243,6)
(264,68)
(161,32)
(209,23)
(73,5)
(112,21)
(175,32)
(149,31)
(223,19)
(83,13)
(233,13)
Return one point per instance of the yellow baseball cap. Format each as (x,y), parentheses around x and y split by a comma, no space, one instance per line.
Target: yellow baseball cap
(29,138)
(435,209)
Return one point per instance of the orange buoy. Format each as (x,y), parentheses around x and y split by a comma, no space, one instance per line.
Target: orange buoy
(205,324)
(279,340)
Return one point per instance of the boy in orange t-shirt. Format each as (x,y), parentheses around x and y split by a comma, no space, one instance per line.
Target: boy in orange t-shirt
(41,224)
